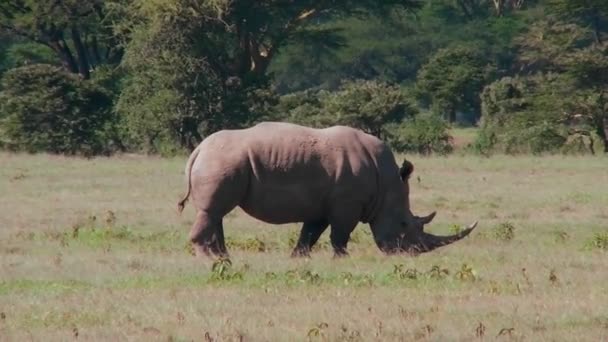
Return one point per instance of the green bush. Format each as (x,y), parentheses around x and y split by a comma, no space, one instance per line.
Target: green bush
(423,134)
(540,138)
(45,109)
(367,105)
(523,115)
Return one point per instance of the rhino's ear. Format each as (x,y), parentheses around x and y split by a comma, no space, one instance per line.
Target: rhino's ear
(406,170)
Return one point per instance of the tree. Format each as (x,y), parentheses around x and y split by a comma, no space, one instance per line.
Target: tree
(72,29)
(588,69)
(559,98)
(547,42)
(367,105)
(524,114)
(588,12)
(570,51)
(208,60)
(451,81)
(42,108)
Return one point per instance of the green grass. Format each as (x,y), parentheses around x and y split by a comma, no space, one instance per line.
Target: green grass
(94,249)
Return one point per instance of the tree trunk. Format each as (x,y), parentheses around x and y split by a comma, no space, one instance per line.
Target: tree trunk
(95,48)
(451,115)
(83,60)
(67,59)
(601,129)
(597,33)
(499,5)
(600,121)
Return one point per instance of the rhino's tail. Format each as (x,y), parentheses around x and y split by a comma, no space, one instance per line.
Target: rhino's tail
(182,202)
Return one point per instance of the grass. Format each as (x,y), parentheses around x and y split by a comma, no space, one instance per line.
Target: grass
(94,250)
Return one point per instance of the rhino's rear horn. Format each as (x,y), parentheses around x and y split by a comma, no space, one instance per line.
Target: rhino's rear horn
(426,219)
(429,242)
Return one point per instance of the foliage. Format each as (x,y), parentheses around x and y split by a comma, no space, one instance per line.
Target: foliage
(558,100)
(174,94)
(367,105)
(592,13)
(222,270)
(23,53)
(392,48)
(44,108)
(451,81)
(363,48)
(72,29)
(522,115)
(598,241)
(424,134)
(505,231)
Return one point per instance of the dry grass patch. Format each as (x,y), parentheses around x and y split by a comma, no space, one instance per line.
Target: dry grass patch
(94,250)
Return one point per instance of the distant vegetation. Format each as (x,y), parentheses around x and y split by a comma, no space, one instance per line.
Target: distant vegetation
(101,76)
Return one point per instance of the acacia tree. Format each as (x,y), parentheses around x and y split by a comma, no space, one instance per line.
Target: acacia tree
(452,80)
(72,29)
(590,12)
(573,52)
(562,90)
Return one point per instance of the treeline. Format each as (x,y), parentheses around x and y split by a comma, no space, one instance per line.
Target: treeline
(100,76)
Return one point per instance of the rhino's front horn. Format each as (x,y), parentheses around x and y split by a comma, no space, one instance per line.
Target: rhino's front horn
(426,219)
(429,242)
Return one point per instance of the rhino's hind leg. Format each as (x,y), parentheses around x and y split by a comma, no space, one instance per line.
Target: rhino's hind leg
(309,235)
(207,236)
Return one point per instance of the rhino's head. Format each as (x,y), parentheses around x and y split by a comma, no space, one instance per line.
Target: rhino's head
(401,231)
(414,240)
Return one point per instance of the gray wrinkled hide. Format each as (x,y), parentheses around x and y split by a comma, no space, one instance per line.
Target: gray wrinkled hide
(283,173)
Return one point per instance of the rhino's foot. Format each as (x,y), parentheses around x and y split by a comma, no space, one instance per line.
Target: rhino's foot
(340,253)
(300,253)
(201,250)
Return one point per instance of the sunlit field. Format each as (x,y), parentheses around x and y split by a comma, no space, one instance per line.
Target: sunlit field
(95,250)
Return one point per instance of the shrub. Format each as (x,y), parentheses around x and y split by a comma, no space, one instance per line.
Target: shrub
(43,108)
(423,134)
(367,105)
(598,241)
(505,231)
(542,137)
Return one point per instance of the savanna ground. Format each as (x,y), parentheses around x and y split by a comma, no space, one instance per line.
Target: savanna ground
(94,250)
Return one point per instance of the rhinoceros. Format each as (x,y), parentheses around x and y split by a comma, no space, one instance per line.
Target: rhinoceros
(286,173)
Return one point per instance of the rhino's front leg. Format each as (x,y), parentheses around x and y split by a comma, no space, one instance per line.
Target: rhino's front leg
(207,235)
(340,234)
(309,235)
